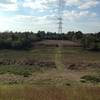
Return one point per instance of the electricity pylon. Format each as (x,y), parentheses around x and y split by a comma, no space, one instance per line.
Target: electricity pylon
(60,13)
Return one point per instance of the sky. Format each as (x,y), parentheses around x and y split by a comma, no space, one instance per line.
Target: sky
(34,15)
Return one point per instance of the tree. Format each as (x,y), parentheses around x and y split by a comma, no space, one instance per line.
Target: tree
(41,34)
(90,42)
(78,35)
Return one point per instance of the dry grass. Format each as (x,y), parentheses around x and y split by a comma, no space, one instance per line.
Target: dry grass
(49,93)
(72,61)
(46,82)
(56,43)
(77,58)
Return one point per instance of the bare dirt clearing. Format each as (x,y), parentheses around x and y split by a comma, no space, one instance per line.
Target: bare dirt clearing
(51,43)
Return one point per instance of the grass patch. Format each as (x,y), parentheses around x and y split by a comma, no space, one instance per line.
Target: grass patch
(17,70)
(91,78)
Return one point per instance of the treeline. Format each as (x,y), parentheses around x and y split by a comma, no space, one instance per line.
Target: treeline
(17,40)
(91,41)
(25,40)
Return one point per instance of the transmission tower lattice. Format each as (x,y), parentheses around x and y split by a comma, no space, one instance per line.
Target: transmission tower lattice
(60,19)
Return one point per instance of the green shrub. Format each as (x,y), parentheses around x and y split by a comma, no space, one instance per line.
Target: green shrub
(90,78)
(83,81)
(17,70)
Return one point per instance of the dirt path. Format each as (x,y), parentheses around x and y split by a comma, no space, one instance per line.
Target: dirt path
(58,58)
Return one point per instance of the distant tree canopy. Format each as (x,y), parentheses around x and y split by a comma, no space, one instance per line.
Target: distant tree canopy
(17,40)
(91,41)
(25,40)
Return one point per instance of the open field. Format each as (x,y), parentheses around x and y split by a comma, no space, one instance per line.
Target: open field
(49,65)
(48,71)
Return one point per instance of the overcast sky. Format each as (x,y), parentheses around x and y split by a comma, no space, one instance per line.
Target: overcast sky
(34,15)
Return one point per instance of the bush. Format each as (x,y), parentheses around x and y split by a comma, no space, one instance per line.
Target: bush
(17,70)
(90,42)
(83,81)
(93,79)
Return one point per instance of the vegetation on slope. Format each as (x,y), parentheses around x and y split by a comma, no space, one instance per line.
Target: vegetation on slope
(26,40)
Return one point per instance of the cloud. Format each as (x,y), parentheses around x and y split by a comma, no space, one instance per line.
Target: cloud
(44,5)
(8,5)
(82,4)
(77,15)
(46,19)
(40,5)
(88,4)
(72,2)
(28,23)
(8,1)
(29,14)
(35,4)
